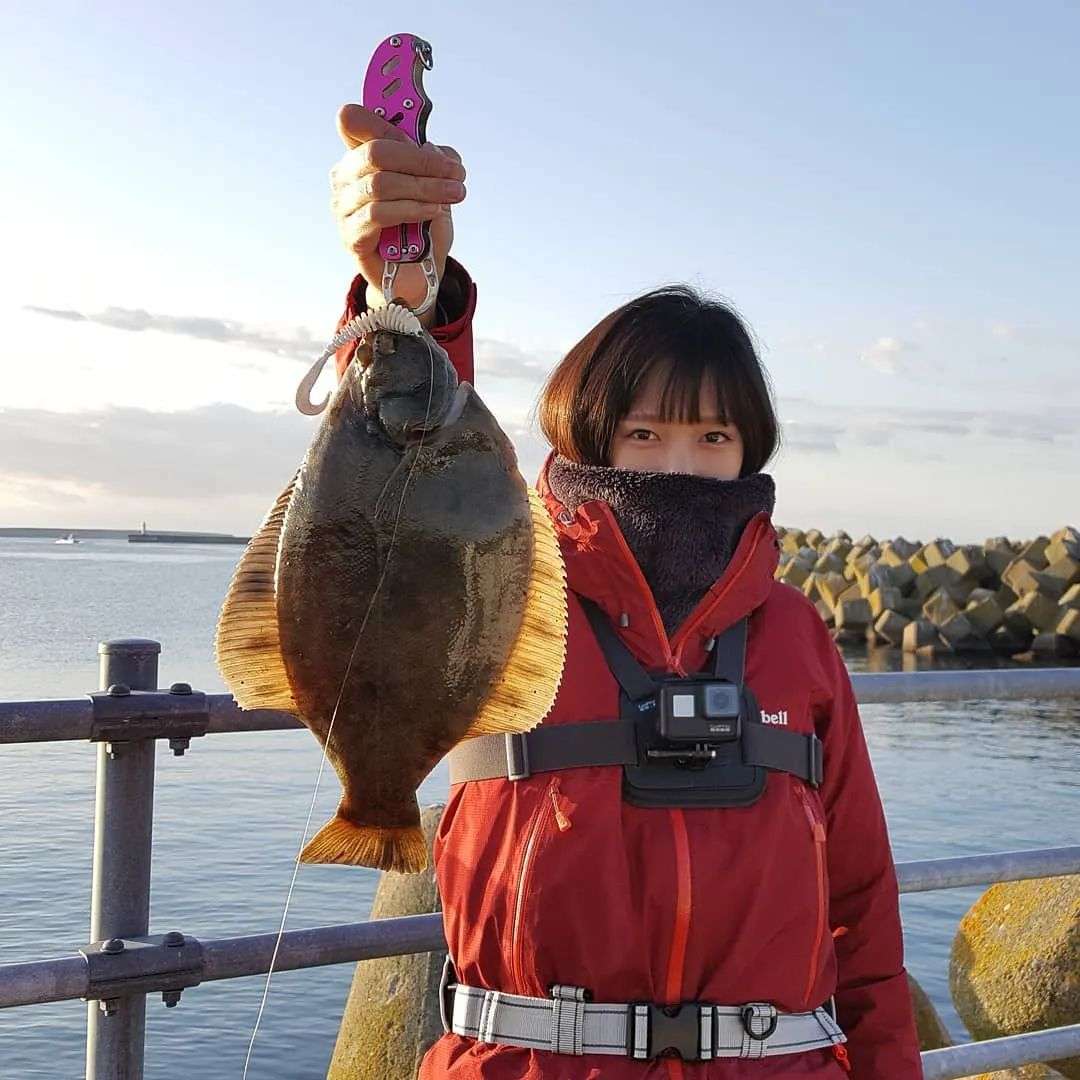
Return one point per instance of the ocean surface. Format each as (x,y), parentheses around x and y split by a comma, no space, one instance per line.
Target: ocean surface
(955,779)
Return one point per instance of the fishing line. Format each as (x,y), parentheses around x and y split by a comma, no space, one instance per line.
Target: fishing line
(337,705)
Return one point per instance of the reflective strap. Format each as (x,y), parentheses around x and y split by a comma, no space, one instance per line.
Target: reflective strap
(568,1024)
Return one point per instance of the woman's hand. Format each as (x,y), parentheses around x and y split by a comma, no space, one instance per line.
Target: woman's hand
(385,179)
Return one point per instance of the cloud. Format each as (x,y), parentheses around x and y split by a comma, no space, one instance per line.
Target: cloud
(500,359)
(206,328)
(214,451)
(890,355)
(807,435)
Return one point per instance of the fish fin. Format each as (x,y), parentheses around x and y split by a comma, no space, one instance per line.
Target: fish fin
(247,644)
(526,690)
(343,841)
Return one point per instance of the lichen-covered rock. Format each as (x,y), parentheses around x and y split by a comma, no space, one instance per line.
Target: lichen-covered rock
(1025,1072)
(392,1014)
(1015,963)
(933,1035)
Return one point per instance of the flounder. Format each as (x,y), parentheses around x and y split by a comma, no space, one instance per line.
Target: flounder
(405,592)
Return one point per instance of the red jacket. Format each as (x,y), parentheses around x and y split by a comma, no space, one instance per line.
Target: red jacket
(556,879)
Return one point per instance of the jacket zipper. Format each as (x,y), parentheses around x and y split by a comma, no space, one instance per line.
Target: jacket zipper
(817,830)
(551,805)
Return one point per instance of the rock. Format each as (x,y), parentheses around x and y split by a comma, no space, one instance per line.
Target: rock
(830,586)
(999,553)
(837,546)
(904,548)
(1034,552)
(1021,576)
(984,615)
(1038,611)
(886,598)
(1057,646)
(853,614)
(852,592)
(903,577)
(1037,1071)
(1006,640)
(1063,542)
(1062,574)
(392,1014)
(919,633)
(890,626)
(1069,624)
(814,537)
(970,563)
(1015,963)
(1005,597)
(794,573)
(942,577)
(793,541)
(829,564)
(933,1035)
(939,608)
(1071,598)
(937,552)
(959,633)
(918,562)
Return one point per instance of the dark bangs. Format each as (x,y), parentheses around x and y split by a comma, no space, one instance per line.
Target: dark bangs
(686,341)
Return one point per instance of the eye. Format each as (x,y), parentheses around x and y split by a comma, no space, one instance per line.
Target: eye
(717,437)
(641,434)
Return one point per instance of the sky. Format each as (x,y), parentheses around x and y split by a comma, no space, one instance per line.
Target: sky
(887,193)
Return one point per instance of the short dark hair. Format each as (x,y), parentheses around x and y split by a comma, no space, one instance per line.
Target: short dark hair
(674,329)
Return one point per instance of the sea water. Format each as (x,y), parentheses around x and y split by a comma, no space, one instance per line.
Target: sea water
(955,779)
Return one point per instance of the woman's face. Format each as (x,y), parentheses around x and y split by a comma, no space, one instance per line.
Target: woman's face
(707,448)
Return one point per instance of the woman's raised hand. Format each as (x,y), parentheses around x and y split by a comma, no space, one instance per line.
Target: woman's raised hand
(384,179)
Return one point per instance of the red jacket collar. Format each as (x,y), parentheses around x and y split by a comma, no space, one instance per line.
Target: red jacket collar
(600,566)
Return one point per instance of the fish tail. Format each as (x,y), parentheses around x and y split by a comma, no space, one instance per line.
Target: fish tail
(350,844)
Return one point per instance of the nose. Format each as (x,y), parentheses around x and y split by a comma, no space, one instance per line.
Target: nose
(676,458)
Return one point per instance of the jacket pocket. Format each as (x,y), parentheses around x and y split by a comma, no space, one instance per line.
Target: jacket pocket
(815,820)
(550,817)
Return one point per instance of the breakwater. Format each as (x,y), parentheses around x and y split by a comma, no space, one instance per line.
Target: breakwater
(1018,598)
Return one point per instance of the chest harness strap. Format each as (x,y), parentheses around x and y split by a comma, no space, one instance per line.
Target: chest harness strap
(681,742)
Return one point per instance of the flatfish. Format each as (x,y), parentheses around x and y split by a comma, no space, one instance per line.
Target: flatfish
(404,592)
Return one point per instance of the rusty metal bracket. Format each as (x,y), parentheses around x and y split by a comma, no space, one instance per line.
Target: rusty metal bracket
(121,967)
(121,714)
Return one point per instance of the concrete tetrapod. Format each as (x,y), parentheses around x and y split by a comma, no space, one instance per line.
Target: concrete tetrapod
(392,1014)
(1015,963)
(932,1032)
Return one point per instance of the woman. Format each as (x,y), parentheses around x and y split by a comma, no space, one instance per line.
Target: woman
(579,882)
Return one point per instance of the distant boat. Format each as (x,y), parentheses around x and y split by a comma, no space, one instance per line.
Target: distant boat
(69,539)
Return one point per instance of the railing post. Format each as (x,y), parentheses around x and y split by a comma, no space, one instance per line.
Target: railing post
(123,831)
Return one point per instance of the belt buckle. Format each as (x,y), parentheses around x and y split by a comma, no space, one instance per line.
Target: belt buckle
(749,1013)
(669,1028)
(446,996)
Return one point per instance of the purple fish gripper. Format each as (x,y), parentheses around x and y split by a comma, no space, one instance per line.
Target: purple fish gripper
(394,90)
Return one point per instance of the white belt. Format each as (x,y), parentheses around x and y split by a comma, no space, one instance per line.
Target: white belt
(566,1023)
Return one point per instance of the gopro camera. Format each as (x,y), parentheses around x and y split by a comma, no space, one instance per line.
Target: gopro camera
(699,711)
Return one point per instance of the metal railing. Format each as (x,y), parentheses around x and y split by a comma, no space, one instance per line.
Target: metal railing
(123,962)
